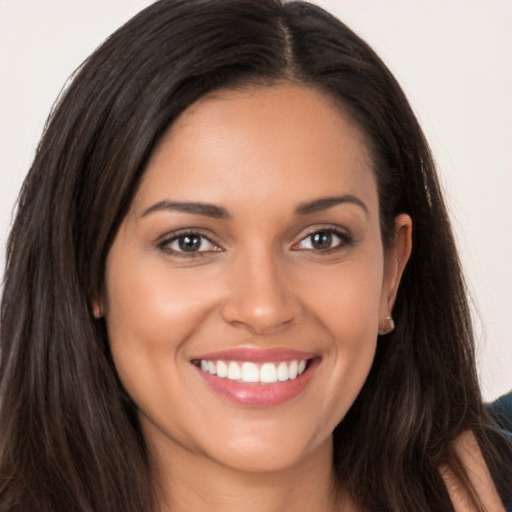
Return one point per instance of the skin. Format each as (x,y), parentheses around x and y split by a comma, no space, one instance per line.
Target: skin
(260,154)
(478,474)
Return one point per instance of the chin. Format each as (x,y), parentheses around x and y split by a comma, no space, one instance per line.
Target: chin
(266,461)
(271,452)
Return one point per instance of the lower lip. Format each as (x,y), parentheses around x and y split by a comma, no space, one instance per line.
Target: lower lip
(259,395)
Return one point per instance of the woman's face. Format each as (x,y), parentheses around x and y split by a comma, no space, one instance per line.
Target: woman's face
(246,285)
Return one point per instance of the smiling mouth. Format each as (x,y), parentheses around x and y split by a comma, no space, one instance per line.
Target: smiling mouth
(250,377)
(249,372)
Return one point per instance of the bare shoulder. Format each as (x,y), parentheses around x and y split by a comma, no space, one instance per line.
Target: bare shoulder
(473,461)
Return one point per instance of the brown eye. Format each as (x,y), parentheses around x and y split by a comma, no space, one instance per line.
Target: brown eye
(189,243)
(324,240)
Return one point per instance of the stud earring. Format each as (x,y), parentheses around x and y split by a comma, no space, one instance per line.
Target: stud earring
(98,313)
(390,325)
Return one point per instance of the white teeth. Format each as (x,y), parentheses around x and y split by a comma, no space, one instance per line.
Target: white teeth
(233,371)
(212,367)
(292,369)
(282,371)
(267,373)
(222,369)
(250,373)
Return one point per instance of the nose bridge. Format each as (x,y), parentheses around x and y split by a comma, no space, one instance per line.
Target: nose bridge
(260,297)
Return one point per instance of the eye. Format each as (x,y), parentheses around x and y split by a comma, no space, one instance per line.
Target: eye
(188,244)
(323,240)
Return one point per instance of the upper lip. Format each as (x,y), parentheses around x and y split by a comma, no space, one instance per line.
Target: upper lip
(253,354)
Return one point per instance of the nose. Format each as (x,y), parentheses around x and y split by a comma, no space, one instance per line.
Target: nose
(261,299)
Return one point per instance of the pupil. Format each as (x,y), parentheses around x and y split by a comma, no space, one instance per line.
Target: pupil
(322,240)
(189,243)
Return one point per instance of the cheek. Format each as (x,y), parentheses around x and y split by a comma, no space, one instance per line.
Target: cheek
(148,305)
(352,317)
(346,304)
(151,312)
(346,300)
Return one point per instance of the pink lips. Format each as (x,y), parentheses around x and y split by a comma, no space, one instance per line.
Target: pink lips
(256,394)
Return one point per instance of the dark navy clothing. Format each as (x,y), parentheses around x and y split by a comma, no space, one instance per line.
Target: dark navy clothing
(502,409)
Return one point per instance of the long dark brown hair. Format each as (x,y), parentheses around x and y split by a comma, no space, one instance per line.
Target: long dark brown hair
(69,436)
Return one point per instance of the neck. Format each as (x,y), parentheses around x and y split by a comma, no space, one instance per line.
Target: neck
(189,481)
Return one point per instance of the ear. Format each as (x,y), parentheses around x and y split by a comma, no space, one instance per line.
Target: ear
(395,259)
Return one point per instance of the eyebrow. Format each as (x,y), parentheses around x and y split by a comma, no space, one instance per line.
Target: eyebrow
(325,203)
(205,209)
(217,212)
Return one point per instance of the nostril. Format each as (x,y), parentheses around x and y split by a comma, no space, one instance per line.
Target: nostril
(259,318)
(262,324)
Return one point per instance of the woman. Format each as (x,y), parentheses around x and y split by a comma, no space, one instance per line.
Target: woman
(231,282)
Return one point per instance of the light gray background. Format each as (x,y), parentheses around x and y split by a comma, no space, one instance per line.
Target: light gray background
(452,57)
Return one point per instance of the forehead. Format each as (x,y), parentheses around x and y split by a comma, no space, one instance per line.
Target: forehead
(254,143)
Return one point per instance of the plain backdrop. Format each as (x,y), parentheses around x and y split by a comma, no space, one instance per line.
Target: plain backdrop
(452,57)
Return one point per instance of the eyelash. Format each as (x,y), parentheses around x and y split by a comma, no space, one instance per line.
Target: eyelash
(344,240)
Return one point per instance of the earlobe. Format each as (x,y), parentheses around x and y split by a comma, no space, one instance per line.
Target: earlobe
(396,259)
